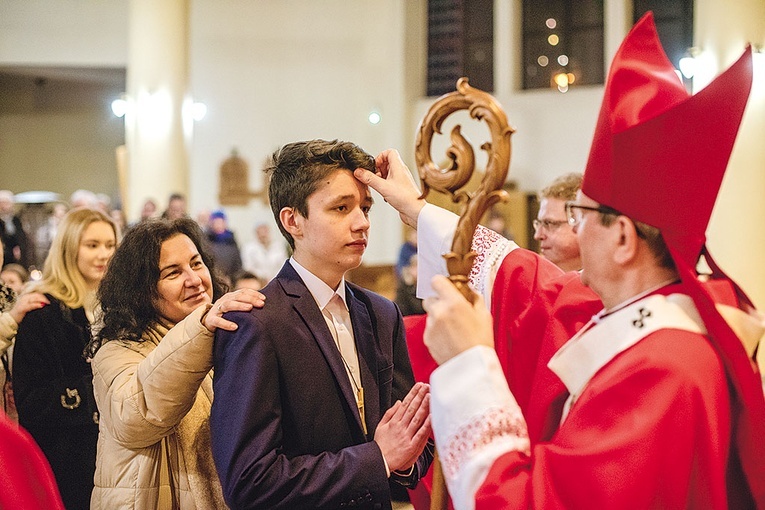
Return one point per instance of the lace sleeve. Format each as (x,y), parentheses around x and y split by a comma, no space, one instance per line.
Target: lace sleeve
(490,248)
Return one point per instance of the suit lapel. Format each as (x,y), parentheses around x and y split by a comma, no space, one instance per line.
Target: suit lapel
(305,305)
(363,335)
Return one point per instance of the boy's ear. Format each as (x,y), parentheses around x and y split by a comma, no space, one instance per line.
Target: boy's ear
(289,218)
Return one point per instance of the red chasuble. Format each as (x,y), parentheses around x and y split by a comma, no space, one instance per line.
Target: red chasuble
(26,480)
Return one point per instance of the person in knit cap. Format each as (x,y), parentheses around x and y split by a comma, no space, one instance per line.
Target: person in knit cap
(632,384)
(223,245)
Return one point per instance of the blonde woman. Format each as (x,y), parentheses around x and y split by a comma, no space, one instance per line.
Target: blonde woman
(52,380)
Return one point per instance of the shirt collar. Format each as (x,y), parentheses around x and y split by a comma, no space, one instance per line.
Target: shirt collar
(321,292)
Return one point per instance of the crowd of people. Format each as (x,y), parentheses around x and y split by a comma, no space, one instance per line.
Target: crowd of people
(603,372)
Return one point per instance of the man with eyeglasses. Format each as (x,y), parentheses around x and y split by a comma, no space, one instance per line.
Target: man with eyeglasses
(557,240)
(653,402)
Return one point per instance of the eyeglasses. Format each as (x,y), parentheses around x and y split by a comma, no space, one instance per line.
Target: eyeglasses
(574,212)
(548,225)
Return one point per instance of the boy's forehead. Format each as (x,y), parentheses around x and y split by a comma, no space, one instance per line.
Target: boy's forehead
(342,181)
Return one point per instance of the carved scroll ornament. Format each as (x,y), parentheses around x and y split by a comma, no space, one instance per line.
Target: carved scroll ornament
(483,107)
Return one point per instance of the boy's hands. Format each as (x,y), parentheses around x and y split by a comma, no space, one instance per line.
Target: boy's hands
(404,430)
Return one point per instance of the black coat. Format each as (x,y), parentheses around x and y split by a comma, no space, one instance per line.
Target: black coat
(53,387)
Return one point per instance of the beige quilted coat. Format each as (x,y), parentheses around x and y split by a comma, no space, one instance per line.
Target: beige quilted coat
(154,398)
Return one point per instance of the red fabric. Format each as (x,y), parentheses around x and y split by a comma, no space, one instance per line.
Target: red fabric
(656,422)
(663,409)
(651,430)
(26,480)
(644,158)
(422,366)
(422,362)
(528,291)
(748,403)
(536,309)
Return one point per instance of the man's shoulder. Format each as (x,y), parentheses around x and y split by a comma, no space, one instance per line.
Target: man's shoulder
(278,302)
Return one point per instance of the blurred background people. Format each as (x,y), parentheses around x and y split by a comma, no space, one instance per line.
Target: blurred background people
(558,242)
(14,276)
(26,480)
(223,246)
(264,256)
(16,243)
(52,381)
(176,207)
(498,223)
(151,369)
(83,198)
(406,289)
(248,280)
(12,310)
(405,252)
(47,231)
(149,209)
(103,202)
(203,218)
(120,221)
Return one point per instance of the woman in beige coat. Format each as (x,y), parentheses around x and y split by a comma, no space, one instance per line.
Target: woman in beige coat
(152,364)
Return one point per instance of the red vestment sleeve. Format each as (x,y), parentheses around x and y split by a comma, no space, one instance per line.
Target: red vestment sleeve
(536,309)
(26,479)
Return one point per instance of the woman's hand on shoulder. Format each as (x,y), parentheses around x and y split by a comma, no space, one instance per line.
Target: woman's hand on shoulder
(26,303)
(242,300)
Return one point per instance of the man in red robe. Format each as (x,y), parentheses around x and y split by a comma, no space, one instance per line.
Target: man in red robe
(653,402)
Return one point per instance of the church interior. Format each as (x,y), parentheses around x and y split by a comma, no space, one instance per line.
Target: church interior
(202,82)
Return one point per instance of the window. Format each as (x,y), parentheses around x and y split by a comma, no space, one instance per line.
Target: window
(674,22)
(562,43)
(460,43)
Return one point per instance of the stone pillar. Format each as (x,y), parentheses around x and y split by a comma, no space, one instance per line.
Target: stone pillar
(156,134)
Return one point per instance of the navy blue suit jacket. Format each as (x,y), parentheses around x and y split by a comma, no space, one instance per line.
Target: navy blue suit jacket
(286,432)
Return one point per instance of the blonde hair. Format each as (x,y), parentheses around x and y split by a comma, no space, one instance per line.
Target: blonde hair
(61,278)
(562,188)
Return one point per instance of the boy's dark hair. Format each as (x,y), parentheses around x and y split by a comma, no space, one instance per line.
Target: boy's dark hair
(296,169)
(128,291)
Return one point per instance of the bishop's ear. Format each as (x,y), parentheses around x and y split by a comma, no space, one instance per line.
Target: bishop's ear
(627,245)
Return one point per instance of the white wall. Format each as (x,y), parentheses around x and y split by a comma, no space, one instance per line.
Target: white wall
(278,71)
(63,32)
(736,234)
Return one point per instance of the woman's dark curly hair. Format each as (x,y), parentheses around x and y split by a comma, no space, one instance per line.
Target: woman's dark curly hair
(128,292)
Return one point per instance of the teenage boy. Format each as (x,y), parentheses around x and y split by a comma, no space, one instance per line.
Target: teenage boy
(306,411)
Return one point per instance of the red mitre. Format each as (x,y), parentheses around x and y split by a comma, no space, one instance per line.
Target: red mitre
(658,153)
